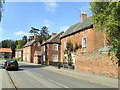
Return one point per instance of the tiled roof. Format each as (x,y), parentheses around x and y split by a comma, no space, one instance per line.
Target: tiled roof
(52,39)
(29,43)
(5,50)
(78,26)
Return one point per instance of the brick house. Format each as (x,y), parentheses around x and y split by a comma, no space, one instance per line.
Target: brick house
(5,53)
(90,41)
(32,51)
(19,53)
(51,49)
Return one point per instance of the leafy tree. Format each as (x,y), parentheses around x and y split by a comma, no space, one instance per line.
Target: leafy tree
(19,44)
(33,31)
(43,34)
(106,16)
(24,40)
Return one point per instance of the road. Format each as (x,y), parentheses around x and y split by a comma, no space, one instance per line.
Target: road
(35,76)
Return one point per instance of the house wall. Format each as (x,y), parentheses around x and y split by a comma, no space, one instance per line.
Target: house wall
(89,59)
(27,54)
(94,41)
(51,52)
(18,54)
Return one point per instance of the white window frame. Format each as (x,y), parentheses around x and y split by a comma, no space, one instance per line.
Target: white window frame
(38,44)
(55,47)
(44,48)
(34,44)
(84,42)
(44,58)
(55,58)
(65,45)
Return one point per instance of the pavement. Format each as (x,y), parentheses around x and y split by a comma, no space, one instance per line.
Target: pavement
(91,77)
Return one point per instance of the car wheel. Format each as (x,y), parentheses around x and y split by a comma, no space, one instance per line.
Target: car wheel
(6,67)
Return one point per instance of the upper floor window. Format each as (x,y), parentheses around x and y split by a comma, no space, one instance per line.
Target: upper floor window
(34,44)
(38,44)
(44,48)
(65,45)
(84,42)
(55,47)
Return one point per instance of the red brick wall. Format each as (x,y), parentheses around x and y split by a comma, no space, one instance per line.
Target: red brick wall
(51,52)
(18,54)
(89,59)
(28,52)
(94,41)
(96,63)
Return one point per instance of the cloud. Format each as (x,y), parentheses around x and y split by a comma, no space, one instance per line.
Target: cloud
(64,28)
(51,5)
(47,23)
(21,33)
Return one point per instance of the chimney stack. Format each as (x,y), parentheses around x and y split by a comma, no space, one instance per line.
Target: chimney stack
(35,37)
(28,39)
(83,15)
(53,34)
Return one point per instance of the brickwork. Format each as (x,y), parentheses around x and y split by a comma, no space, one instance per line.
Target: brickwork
(88,58)
(49,51)
(28,52)
(96,63)
(94,41)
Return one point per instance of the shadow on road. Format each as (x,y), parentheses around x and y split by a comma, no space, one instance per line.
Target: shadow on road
(24,67)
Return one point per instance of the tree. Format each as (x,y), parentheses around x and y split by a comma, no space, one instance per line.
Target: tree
(19,44)
(33,31)
(24,40)
(44,35)
(106,16)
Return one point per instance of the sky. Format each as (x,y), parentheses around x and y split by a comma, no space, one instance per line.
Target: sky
(19,17)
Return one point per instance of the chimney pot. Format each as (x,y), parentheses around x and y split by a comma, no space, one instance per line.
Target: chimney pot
(83,15)
(53,34)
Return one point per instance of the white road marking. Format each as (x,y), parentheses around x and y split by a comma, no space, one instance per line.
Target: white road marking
(58,83)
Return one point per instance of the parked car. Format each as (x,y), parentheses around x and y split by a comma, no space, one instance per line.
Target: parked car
(11,65)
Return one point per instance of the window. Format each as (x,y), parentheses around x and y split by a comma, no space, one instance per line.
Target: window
(34,44)
(84,42)
(55,47)
(55,58)
(38,44)
(43,57)
(65,45)
(44,48)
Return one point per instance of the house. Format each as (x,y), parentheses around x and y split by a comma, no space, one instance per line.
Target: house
(19,53)
(86,41)
(5,53)
(51,50)
(32,51)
